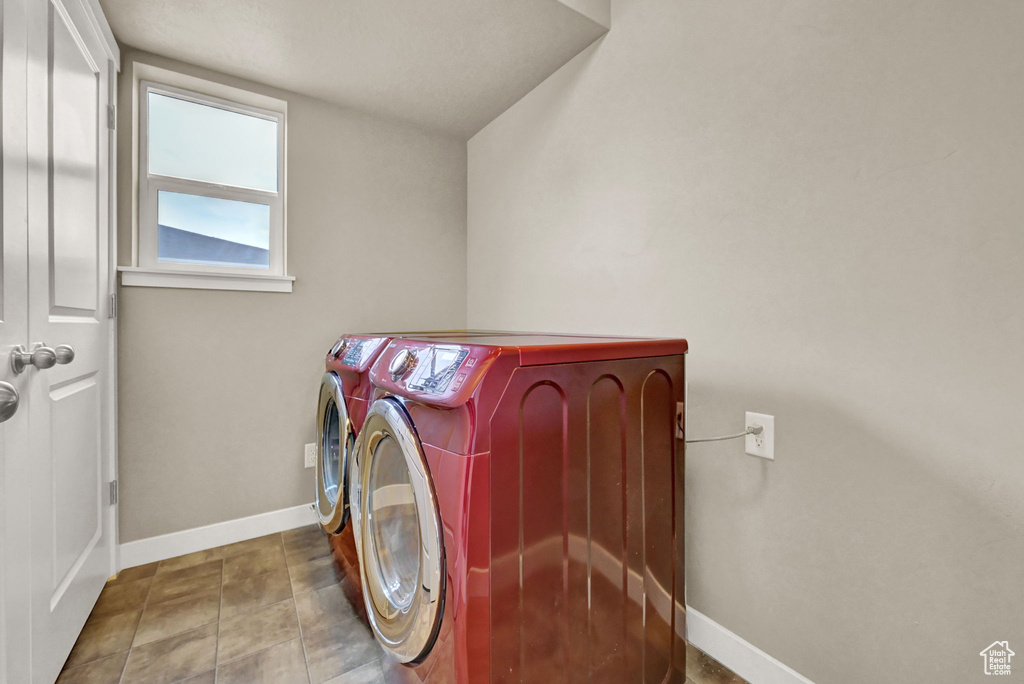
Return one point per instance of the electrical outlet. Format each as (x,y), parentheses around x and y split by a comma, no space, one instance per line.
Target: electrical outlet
(310,455)
(680,419)
(762,445)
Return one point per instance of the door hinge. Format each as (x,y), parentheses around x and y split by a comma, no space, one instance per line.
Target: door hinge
(113,492)
(111,117)
(112,310)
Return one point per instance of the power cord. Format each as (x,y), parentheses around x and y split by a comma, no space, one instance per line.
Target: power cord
(752,430)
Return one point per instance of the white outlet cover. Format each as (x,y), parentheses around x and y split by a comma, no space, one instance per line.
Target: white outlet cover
(762,445)
(310,455)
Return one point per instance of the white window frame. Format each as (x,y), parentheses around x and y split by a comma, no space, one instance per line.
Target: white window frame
(146,270)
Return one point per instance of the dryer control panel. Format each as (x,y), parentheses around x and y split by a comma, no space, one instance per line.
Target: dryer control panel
(431,371)
(436,368)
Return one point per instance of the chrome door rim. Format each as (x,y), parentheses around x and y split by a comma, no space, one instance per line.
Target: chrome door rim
(408,635)
(355,495)
(333,516)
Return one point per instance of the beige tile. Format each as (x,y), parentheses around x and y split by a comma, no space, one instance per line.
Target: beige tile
(238,548)
(281,664)
(251,632)
(187,561)
(204,678)
(190,581)
(305,544)
(367,674)
(313,575)
(302,535)
(308,552)
(172,659)
(162,620)
(219,553)
(323,608)
(104,636)
(339,649)
(250,593)
(252,563)
(131,574)
(103,671)
(124,597)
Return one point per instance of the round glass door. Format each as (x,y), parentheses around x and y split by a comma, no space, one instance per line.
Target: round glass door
(399,528)
(335,441)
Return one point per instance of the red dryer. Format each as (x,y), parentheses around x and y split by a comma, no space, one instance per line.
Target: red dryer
(516,508)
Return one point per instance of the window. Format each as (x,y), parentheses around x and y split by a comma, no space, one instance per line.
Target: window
(210,178)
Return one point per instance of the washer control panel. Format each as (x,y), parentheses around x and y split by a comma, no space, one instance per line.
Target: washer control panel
(435,369)
(355,352)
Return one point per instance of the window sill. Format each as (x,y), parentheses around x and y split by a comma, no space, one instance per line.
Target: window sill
(133,276)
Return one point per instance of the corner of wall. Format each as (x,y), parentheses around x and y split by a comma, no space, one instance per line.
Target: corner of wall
(598,11)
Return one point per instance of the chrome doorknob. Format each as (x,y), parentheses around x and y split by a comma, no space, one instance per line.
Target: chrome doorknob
(42,357)
(65,353)
(8,400)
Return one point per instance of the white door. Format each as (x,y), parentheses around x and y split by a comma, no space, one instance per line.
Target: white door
(60,489)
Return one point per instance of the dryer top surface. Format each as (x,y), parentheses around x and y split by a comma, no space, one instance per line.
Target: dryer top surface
(540,348)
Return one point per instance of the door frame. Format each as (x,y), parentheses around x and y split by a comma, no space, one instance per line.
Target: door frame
(113,296)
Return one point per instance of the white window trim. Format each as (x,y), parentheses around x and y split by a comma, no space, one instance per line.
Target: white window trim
(144,269)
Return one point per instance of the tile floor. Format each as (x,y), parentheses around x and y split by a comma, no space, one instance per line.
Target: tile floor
(703,669)
(263,610)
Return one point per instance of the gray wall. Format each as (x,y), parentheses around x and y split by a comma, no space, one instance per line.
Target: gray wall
(825,198)
(218,389)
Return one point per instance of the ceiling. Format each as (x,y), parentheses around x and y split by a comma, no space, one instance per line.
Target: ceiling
(447,65)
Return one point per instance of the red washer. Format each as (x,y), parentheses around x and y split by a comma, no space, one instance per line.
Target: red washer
(517,508)
(345,392)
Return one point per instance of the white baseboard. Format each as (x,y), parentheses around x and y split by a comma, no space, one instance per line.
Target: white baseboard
(152,549)
(742,657)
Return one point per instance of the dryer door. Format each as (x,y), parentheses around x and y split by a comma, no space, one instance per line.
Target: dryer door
(335,441)
(400,536)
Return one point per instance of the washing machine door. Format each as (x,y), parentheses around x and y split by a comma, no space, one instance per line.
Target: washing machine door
(335,441)
(400,536)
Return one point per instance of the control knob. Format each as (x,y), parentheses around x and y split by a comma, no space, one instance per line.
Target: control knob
(339,347)
(401,364)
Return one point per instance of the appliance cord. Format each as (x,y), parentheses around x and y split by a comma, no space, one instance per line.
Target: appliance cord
(752,430)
